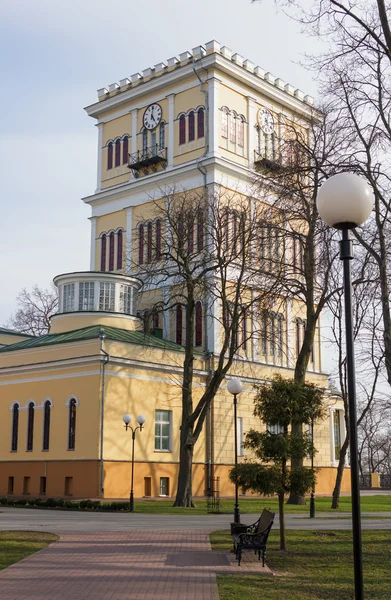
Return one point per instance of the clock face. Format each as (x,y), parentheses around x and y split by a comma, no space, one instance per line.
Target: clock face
(152,116)
(265,120)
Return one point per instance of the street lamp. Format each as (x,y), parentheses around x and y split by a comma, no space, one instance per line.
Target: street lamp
(312,499)
(140,420)
(344,202)
(235,387)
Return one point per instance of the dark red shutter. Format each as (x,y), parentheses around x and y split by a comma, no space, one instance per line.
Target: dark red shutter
(149,243)
(103,254)
(111,252)
(141,244)
(198,324)
(182,129)
(119,248)
(117,153)
(110,156)
(178,338)
(125,150)
(201,123)
(200,231)
(158,239)
(191,126)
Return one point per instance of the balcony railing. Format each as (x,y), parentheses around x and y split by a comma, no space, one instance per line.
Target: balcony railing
(272,163)
(146,159)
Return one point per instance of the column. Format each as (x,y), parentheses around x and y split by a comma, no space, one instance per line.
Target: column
(213,323)
(134,130)
(93,245)
(281,135)
(170,146)
(166,314)
(332,439)
(129,237)
(290,350)
(255,328)
(251,118)
(100,151)
(213,116)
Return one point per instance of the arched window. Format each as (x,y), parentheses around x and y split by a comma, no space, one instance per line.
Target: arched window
(191,126)
(200,123)
(110,156)
(162,136)
(111,251)
(179,324)
(145,140)
(264,333)
(117,153)
(155,320)
(244,330)
(120,238)
(224,123)
(103,253)
(158,239)
(240,131)
(190,238)
(298,336)
(149,242)
(30,426)
(125,150)
(198,324)
(141,244)
(46,425)
(182,129)
(272,335)
(232,128)
(15,427)
(200,231)
(72,424)
(280,335)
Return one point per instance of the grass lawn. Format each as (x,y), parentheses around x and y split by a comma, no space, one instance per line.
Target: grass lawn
(377,503)
(15,545)
(317,566)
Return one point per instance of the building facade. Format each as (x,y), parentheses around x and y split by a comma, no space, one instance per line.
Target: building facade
(203,121)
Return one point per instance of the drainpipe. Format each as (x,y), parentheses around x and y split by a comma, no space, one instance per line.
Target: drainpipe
(105,361)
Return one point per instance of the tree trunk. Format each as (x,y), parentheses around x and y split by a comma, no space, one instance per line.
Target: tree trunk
(282,520)
(338,480)
(184,496)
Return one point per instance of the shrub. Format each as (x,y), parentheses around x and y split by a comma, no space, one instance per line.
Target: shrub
(3,501)
(61,502)
(21,502)
(38,501)
(10,502)
(51,502)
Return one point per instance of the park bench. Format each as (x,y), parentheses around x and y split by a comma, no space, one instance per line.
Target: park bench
(253,537)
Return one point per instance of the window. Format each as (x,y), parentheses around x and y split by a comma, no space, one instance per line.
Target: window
(198,324)
(26,485)
(103,253)
(224,123)
(299,323)
(42,486)
(147,487)
(200,123)
(120,239)
(337,434)
(153,143)
(191,126)
(46,425)
(239,425)
(30,426)
(141,244)
(155,320)
(272,334)
(72,424)
(182,129)
(86,295)
(145,141)
(117,153)
(264,332)
(107,297)
(232,128)
(241,132)
(200,231)
(68,486)
(110,156)
(11,482)
(158,239)
(68,303)
(244,329)
(297,254)
(15,427)
(111,251)
(164,486)
(275,429)
(149,242)
(190,238)
(125,299)
(162,132)
(163,420)
(280,335)
(179,325)
(125,150)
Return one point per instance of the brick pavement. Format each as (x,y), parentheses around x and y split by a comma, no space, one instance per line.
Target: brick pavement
(132,565)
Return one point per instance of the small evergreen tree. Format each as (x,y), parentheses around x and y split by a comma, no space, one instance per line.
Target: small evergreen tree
(281,404)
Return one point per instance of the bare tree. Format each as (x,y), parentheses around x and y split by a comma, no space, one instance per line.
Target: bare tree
(34,309)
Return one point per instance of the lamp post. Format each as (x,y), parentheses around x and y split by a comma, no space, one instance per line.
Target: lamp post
(235,387)
(312,499)
(344,202)
(140,420)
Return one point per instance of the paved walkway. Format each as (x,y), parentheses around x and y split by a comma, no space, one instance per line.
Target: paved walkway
(131,565)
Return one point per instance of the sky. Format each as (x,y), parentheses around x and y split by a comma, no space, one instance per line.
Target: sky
(54,56)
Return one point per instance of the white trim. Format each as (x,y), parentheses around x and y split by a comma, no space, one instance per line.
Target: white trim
(13,404)
(213,116)
(48,378)
(129,240)
(170,146)
(250,130)
(134,113)
(166,314)
(93,243)
(42,405)
(100,150)
(72,397)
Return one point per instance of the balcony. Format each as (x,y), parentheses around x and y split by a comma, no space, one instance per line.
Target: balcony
(262,161)
(147,159)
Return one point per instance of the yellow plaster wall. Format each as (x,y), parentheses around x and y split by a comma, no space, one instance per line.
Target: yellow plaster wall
(9,339)
(69,321)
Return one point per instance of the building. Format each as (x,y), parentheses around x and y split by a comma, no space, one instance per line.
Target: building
(204,119)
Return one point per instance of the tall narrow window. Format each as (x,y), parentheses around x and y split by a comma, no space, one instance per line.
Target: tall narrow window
(125,150)
(224,123)
(280,334)
(158,239)
(72,424)
(141,244)
(145,140)
(198,324)
(244,330)
(153,143)
(106,297)
(265,317)
(240,132)
(120,237)
(149,242)
(30,426)
(200,123)
(337,434)
(103,253)
(68,297)
(240,435)
(125,299)
(182,129)
(190,237)
(15,427)
(155,320)
(162,132)
(298,337)
(111,251)
(232,128)
(179,325)
(86,295)
(46,425)
(110,156)
(163,420)
(200,231)
(191,126)
(272,335)
(117,153)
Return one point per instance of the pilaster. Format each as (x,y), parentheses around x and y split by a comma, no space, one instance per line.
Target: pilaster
(251,118)
(213,115)
(93,244)
(171,117)
(129,235)
(134,130)
(100,151)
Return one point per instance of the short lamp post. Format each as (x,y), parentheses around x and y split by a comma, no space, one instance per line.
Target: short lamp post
(140,420)
(235,387)
(345,201)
